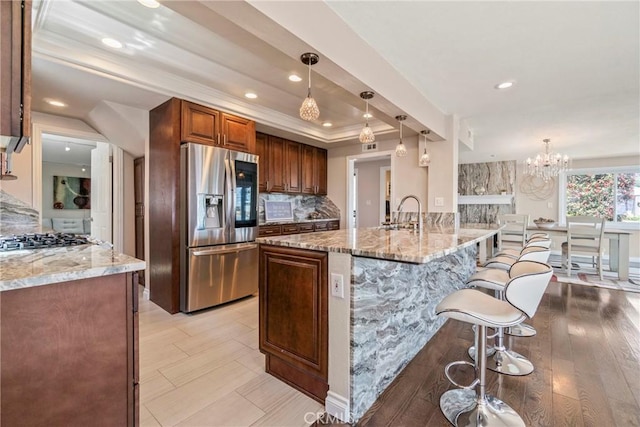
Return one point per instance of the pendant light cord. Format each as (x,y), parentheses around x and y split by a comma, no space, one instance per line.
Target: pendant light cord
(309,80)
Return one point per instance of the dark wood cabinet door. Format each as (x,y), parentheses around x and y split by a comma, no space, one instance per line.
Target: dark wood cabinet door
(200,124)
(293,316)
(277,168)
(238,133)
(262,150)
(321,171)
(70,354)
(15,69)
(308,170)
(292,166)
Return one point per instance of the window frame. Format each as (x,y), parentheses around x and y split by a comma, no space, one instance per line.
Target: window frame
(562,192)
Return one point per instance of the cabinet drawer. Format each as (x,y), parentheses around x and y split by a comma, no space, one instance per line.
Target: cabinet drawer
(290,229)
(321,226)
(306,228)
(333,225)
(269,230)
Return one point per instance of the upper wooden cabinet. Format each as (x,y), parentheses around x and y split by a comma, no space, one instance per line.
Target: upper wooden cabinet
(290,167)
(204,125)
(15,72)
(314,170)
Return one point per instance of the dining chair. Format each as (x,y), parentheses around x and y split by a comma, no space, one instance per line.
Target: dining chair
(514,232)
(584,237)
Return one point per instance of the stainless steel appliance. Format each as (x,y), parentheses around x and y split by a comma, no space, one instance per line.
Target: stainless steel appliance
(219,224)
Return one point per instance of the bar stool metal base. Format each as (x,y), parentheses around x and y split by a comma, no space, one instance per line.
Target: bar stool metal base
(506,362)
(491,350)
(521,330)
(463,409)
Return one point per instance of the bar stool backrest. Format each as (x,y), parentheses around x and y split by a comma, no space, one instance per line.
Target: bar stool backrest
(538,242)
(535,253)
(529,280)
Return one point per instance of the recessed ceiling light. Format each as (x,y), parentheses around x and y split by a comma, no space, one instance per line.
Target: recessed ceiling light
(55,102)
(152,4)
(327,124)
(367,115)
(504,85)
(295,78)
(112,42)
(250,95)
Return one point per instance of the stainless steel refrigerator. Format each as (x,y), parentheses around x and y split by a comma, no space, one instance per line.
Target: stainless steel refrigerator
(218,226)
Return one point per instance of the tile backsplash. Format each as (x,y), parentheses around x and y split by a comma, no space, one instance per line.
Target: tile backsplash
(303,206)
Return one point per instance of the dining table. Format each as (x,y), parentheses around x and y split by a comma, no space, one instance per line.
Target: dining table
(618,246)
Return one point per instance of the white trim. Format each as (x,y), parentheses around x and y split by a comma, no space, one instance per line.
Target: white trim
(383,192)
(489,199)
(350,168)
(337,406)
(117,202)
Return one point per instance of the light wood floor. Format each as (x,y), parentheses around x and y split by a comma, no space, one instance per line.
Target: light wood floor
(205,370)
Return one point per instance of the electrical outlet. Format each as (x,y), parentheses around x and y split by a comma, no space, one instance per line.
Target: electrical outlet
(439,201)
(337,285)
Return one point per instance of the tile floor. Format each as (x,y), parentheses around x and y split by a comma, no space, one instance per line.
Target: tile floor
(205,369)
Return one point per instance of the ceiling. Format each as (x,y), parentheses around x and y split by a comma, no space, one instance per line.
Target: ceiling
(575,66)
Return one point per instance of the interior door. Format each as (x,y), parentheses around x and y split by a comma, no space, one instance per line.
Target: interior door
(101,178)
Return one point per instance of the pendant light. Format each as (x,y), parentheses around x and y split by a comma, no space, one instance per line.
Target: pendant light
(401,150)
(309,110)
(366,135)
(425,159)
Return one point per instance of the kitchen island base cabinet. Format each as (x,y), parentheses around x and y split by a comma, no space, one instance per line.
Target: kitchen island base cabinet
(69,353)
(293,317)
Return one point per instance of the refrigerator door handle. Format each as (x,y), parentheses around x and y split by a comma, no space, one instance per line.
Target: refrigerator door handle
(231,188)
(220,251)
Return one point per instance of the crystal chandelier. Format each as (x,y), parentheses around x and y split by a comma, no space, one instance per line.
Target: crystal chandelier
(366,135)
(401,150)
(425,159)
(546,165)
(309,109)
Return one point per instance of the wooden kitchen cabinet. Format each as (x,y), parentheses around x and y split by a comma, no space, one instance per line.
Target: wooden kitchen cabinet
(290,167)
(70,353)
(293,329)
(15,71)
(297,228)
(314,170)
(204,125)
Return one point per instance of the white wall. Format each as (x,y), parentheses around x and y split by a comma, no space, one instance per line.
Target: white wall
(49,170)
(369,192)
(408,178)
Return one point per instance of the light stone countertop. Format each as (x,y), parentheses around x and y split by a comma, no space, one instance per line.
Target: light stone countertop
(37,267)
(395,245)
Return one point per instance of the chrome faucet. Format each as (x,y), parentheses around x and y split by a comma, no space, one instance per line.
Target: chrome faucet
(411,196)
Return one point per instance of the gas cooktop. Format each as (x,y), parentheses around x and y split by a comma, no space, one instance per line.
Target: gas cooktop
(41,241)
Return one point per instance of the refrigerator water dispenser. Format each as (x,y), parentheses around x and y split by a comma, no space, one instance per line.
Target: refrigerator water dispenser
(212,211)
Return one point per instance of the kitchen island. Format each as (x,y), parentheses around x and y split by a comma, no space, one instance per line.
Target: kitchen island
(68,336)
(345,349)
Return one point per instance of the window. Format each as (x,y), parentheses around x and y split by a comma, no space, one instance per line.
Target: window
(612,193)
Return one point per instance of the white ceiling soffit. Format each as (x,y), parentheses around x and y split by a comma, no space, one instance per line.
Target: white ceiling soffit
(575,65)
(199,55)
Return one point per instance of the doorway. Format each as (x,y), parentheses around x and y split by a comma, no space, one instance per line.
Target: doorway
(110,205)
(367,195)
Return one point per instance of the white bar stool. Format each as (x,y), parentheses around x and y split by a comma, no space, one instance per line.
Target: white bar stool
(471,405)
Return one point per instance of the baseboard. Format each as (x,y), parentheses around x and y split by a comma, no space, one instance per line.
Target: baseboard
(337,407)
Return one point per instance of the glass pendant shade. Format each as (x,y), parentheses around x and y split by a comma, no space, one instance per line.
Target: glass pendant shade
(401,150)
(425,159)
(546,165)
(309,109)
(366,135)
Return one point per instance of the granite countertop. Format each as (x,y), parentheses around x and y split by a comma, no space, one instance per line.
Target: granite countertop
(299,221)
(37,267)
(396,245)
